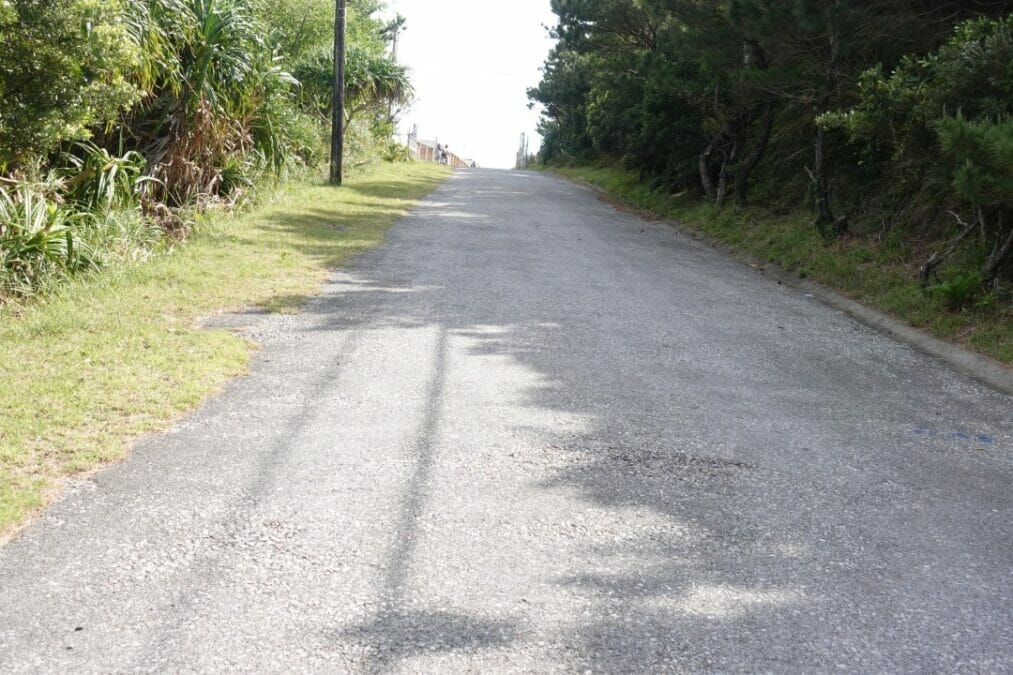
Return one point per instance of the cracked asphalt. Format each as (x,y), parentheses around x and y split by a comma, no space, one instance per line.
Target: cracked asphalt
(536,433)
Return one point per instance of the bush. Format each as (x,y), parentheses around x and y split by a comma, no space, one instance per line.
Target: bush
(941,127)
(169,105)
(65,66)
(37,239)
(959,291)
(98,181)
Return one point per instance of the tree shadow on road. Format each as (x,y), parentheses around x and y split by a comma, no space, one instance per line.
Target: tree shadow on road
(758,532)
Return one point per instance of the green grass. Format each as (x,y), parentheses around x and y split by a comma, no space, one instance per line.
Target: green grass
(107,358)
(877,270)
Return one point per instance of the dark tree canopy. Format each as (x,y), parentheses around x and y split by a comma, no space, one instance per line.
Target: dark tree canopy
(843,107)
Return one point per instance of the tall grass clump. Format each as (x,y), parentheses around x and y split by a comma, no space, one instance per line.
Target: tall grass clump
(38,241)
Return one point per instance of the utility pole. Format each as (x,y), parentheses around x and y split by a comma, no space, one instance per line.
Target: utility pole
(522,153)
(338,95)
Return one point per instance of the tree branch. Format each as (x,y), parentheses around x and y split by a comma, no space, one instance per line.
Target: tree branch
(929,268)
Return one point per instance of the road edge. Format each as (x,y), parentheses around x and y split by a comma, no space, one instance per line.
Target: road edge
(977,366)
(56,486)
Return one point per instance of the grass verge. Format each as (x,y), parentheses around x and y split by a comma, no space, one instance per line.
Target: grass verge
(115,355)
(877,269)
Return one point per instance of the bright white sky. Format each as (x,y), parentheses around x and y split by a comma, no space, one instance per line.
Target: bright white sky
(472,62)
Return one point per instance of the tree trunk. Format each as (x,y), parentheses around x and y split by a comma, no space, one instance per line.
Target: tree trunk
(928,270)
(999,254)
(706,177)
(727,161)
(825,219)
(824,215)
(750,163)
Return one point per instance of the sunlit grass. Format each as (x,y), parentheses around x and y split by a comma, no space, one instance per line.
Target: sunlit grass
(878,271)
(117,355)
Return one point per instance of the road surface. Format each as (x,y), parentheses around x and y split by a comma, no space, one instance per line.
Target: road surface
(536,433)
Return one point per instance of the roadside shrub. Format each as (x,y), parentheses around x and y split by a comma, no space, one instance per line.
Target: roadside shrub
(98,181)
(122,119)
(63,71)
(941,126)
(959,291)
(124,235)
(396,152)
(37,240)
(980,157)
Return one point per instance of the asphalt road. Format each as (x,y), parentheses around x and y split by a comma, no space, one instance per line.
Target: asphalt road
(536,433)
